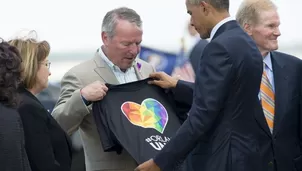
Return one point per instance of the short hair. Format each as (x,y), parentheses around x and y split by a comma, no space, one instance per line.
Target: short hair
(249,10)
(32,52)
(10,74)
(123,13)
(217,4)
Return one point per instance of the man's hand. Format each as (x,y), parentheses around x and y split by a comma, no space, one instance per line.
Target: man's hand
(163,80)
(94,91)
(148,166)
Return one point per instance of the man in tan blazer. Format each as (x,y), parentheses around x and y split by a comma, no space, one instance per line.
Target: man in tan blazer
(115,63)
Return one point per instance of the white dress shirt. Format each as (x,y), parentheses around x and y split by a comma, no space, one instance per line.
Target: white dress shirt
(123,77)
(269,69)
(218,25)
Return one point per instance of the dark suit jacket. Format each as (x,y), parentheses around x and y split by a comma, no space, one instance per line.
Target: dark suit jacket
(47,145)
(12,148)
(281,151)
(221,124)
(196,53)
(284,146)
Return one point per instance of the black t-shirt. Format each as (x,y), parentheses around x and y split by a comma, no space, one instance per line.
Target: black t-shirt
(137,117)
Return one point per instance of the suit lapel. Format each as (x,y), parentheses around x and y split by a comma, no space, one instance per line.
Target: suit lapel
(281,85)
(280,82)
(104,71)
(108,76)
(260,118)
(138,68)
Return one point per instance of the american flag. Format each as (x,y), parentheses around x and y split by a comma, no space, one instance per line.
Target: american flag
(184,72)
(183,68)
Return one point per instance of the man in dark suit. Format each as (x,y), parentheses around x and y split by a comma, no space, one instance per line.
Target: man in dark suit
(221,124)
(280,122)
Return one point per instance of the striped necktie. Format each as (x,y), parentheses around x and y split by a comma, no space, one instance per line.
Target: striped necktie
(267,100)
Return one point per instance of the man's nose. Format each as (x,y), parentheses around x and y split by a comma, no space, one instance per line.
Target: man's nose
(277,32)
(134,48)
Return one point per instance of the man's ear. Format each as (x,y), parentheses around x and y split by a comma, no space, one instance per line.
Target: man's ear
(205,7)
(248,29)
(105,38)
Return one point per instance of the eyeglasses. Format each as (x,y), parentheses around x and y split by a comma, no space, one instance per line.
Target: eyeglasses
(47,64)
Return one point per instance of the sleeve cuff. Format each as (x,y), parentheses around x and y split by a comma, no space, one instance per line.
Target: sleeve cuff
(86,102)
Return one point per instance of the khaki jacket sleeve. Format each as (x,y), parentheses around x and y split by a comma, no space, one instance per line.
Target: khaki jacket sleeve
(70,108)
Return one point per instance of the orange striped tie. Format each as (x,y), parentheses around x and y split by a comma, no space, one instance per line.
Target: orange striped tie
(267,100)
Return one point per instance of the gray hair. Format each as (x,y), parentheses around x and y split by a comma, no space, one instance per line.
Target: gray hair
(122,13)
(249,11)
(217,4)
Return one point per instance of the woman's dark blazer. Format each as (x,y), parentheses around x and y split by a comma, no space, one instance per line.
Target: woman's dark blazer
(12,148)
(47,145)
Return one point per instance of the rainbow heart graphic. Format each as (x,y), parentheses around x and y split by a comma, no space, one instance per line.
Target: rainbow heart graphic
(149,114)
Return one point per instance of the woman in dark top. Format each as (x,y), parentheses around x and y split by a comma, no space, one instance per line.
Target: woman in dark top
(47,145)
(12,149)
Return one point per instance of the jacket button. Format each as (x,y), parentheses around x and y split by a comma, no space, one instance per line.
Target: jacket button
(270,164)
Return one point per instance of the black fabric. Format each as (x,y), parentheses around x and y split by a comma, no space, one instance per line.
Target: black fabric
(47,146)
(117,132)
(13,155)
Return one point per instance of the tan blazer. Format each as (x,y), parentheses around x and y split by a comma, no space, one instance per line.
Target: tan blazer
(72,114)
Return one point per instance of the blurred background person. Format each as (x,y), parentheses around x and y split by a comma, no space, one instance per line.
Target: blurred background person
(46,143)
(13,155)
(187,60)
(196,52)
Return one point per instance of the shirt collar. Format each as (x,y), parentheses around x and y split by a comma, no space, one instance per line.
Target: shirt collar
(106,59)
(268,61)
(218,25)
